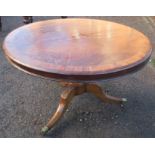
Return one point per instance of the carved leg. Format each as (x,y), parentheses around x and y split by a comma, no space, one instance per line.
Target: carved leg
(73,89)
(66,97)
(96,90)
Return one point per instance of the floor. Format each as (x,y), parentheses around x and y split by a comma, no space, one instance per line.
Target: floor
(26,102)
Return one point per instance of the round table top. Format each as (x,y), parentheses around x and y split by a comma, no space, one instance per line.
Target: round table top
(77,49)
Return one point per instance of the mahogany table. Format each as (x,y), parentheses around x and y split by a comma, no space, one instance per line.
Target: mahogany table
(77,52)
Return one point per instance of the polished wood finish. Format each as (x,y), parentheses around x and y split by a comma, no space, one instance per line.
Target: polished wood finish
(74,89)
(77,49)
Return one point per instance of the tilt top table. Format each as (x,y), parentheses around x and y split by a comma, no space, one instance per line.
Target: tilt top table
(77,52)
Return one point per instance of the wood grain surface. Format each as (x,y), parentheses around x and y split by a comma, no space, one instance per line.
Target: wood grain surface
(77,49)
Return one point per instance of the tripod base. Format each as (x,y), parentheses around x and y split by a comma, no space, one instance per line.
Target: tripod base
(74,89)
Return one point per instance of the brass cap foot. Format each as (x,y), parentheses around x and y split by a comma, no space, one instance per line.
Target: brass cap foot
(124,99)
(44,130)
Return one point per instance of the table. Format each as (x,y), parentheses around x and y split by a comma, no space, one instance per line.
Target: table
(77,53)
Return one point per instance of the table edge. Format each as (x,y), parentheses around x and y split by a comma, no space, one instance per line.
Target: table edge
(71,77)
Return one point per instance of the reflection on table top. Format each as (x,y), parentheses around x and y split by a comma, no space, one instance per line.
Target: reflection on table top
(77,49)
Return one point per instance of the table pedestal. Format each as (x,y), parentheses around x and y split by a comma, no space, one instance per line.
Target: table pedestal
(73,89)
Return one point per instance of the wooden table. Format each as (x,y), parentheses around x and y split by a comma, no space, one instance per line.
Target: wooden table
(77,53)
